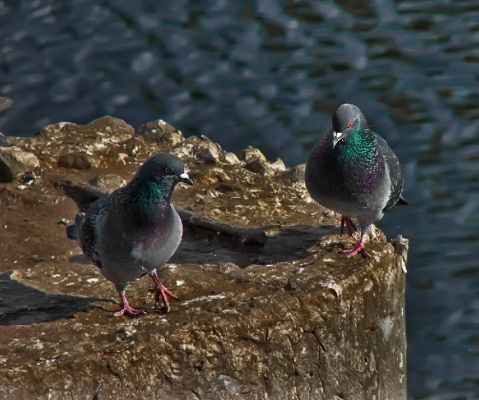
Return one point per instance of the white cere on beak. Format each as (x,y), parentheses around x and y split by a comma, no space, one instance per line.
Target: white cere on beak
(337,137)
(184,175)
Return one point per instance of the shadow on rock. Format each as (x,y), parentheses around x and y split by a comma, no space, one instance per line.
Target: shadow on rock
(23,305)
(204,246)
(206,241)
(207,246)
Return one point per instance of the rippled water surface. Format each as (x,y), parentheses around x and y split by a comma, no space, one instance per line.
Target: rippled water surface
(270,73)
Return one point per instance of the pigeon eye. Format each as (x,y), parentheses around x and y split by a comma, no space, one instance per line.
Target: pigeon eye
(350,125)
(167,171)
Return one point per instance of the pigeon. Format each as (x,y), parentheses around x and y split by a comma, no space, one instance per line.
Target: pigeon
(135,229)
(353,171)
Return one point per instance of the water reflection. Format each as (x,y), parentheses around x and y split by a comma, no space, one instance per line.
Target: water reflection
(269,73)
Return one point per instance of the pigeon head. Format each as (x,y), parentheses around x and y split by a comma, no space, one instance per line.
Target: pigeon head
(156,179)
(164,170)
(346,119)
(152,188)
(347,116)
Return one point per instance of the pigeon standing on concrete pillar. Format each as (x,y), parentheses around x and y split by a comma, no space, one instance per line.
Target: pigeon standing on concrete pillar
(353,171)
(135,229)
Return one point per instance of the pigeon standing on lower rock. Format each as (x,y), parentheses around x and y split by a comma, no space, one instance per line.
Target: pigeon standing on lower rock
(135,229)
(353,171)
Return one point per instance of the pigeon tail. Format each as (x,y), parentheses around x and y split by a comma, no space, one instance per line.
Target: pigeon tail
(73,230)
(83,195)
(402,201)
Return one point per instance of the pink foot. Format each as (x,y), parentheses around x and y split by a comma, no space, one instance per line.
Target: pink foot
(358,249)
(126,309)
(349,224)
(162,291)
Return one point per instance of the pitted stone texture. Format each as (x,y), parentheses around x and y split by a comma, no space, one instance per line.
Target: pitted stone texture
(288,317)
(161,132)
(294,174)
(78,160)
(108,182)
(14,161)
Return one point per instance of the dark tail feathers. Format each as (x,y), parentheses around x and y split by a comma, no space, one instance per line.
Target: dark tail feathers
(402,201)
(72,232)
(73,229)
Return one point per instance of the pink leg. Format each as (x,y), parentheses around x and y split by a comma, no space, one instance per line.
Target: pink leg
(349,224)
(162,291)
(351,227)
(359,248)
(126,309)
(343,224)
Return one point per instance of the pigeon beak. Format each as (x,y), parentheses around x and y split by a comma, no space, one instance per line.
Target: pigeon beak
(186,179)
(337,136)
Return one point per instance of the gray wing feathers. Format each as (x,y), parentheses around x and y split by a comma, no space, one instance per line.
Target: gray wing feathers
(88,229)
(394,168)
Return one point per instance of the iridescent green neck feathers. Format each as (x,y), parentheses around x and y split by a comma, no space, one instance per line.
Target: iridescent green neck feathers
(145,196)
(359,147)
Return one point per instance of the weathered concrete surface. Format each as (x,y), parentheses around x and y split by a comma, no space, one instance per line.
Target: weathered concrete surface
(290,319)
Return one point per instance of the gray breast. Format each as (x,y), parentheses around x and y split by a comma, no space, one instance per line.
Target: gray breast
(157,246)
(128,253)
(324,181)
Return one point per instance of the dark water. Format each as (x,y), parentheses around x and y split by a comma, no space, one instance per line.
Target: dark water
(270,73)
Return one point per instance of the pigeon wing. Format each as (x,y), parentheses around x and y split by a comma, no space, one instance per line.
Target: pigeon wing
(394,168)
(88,228)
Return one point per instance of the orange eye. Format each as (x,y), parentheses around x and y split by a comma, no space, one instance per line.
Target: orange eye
(350,125)
(167,171)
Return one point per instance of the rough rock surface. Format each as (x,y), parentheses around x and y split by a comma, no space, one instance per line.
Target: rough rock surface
(108,182)
(14,161)
(4,142)
(284,316)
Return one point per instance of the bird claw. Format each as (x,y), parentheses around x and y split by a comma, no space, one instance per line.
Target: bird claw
(128,311)
(163,292)
(358,249)
(349,224)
